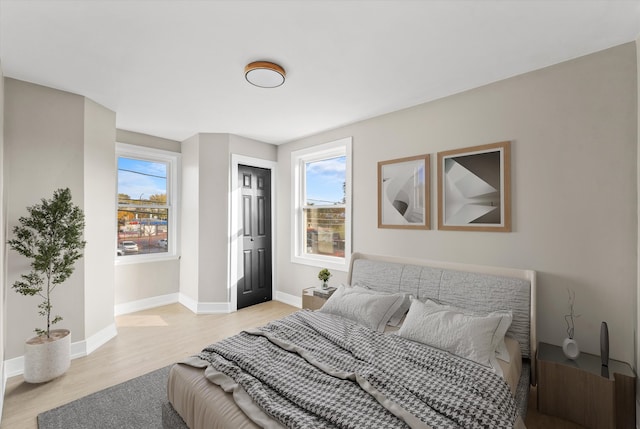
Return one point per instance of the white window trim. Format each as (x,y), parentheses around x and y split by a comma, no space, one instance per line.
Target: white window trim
(340,147)
(173,159)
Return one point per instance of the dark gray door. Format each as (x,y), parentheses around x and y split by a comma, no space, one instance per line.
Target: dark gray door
(254,284)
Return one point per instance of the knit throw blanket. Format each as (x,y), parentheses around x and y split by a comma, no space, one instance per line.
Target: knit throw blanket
(316,370)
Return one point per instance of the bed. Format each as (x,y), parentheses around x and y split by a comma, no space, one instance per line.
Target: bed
(347,365)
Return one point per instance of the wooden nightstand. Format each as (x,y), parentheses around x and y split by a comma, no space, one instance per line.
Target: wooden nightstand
(314,297)
(579,390)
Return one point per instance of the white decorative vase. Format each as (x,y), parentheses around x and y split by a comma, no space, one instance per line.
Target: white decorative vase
(47,358)
(570,348)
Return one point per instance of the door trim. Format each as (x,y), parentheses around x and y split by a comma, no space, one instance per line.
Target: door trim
(234,224)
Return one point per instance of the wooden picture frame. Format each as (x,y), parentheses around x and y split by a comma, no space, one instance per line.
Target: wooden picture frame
(403,193)
(474,188)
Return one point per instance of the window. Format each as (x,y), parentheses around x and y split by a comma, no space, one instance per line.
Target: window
(146,213)
(321,178)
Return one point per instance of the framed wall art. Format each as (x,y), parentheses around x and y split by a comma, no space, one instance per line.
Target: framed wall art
(403,193)
(474,188)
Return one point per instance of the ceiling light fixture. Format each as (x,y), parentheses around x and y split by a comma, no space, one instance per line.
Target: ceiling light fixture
(264,74)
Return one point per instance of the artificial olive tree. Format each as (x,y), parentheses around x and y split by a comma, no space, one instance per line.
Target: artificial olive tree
(51,236)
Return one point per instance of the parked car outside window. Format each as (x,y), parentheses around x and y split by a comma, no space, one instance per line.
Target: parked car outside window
(129,246)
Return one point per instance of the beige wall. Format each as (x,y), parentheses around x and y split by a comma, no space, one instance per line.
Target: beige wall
(44,132)
(131,137)
(3,238)
(252,148)
(54,139)
(213,212)
(205,185)
(99,208)
(189,218)
(574,203)
(205,213)
(204,218)
(139,281)
(637,317)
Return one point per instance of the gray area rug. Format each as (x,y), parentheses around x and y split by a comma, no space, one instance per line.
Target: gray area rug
(134,404)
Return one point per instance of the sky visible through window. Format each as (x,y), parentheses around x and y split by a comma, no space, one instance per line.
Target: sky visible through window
(325,181)
(140,179)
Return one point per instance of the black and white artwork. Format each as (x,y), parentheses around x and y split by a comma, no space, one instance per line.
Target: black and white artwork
(403,193)
(474,188)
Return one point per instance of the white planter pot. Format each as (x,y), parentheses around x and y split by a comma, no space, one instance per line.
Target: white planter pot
(47,358)
(570,348)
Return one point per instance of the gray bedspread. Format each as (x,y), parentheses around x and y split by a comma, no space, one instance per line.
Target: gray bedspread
(316,370)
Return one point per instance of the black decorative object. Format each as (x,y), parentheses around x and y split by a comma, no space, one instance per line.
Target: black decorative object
(604,344)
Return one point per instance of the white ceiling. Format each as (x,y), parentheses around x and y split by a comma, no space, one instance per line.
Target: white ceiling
(174,68)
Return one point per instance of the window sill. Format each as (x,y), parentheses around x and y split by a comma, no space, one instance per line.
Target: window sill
(321,262)
(142,259)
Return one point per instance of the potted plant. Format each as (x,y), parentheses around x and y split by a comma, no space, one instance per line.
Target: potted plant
(324,275)
(51,236)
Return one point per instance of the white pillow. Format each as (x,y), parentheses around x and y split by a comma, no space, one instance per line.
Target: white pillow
(370,310)
(501,349)
(466,335)
(396,318)
(502,352)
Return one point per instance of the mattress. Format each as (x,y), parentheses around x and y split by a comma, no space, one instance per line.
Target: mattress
(202,404)
(512,370)
(205,405)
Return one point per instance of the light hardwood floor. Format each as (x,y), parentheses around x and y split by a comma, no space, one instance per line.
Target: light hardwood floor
(149,340)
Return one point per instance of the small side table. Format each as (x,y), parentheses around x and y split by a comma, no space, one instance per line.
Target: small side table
(314,297)
(581,391)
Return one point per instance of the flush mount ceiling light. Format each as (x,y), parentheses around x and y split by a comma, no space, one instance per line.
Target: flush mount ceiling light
(264,74)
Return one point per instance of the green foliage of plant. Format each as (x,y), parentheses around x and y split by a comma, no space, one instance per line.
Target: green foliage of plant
(324,274)
(51,236)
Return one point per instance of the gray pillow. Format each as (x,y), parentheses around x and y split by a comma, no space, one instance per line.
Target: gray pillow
(367,309)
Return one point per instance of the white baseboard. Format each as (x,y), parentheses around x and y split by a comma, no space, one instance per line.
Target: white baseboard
(78,349)
(15,366)
(188,302)
(225,307)
(294,300)
(213,307)
(100,338)
(204,307)
(144,304)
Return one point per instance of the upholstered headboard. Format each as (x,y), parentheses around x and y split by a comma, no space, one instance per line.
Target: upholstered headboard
(475,287)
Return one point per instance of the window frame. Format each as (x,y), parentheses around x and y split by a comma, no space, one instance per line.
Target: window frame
(299,158)
(172,159)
